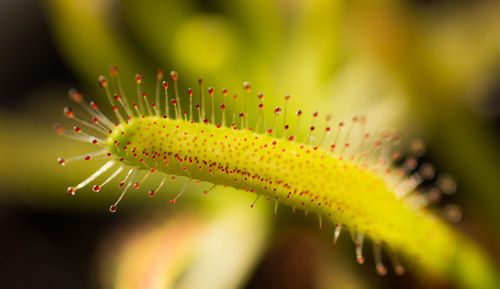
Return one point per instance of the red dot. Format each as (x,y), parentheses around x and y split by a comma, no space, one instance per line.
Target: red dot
(102,81)
(173,75)
(61,161)
(69,112)
(96,188)
(112,209)
(71,191)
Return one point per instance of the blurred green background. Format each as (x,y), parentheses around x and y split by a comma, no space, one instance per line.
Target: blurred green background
(429,68)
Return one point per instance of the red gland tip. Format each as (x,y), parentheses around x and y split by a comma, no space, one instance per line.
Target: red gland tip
(112,208)
(261,105)
(117,97)
(224,91)
(102,81)
(76,129)
(87,158)
(277,110)
(61,161)
(190,91)
(287,97)
(68,112)
(138,78)
(381,270)
(71,191)
(172,201)
(96,188)
(222,106)
(93,105)
(113,70)
(151,193)
(75,95)
(211,90)
(299,112)
(58,129)
(165,84)
(315,113)
(260,95)
(246,85)
(144,94)
(197,106)
(159,74)
(173,75)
